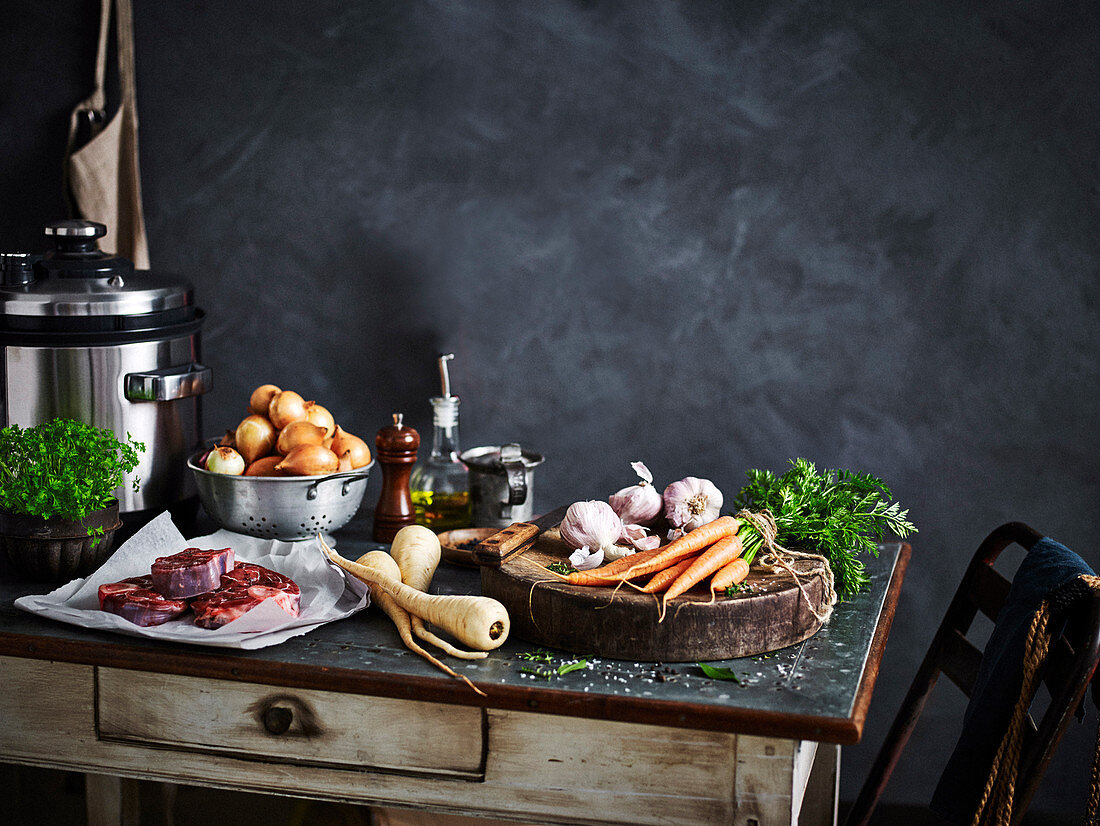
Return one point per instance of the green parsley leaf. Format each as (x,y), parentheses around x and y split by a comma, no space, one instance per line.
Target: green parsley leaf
(718,673)
(63,468)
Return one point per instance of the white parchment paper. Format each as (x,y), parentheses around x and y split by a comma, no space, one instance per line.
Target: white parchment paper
(327,594)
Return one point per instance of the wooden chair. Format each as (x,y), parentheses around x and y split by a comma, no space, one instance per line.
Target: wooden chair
(1069,668)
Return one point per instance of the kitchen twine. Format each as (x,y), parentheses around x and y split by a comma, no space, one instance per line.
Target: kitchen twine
(995,806)
(777,556)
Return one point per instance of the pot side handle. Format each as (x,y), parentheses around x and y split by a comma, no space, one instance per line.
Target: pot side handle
(169,383)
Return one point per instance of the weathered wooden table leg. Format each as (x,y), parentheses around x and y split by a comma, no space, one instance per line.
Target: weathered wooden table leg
(786,781)
(111,801)
(821,800)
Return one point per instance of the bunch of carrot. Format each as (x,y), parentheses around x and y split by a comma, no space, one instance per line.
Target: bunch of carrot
(722,550)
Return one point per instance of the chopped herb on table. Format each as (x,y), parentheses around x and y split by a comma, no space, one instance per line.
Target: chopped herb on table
(540,655)
(548,671)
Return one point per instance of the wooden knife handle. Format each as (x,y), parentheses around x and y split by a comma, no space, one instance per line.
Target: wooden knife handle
(516,538)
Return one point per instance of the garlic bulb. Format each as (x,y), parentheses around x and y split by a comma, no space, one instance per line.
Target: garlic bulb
(593,525)
(692,502)
(638,504)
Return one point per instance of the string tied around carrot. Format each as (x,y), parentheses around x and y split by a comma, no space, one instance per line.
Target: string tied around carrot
(801,565)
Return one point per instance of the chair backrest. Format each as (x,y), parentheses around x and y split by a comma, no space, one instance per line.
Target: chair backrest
(1069,667)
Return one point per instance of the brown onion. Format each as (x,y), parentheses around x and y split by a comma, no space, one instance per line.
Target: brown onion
(309,460)
(321,417)
(255,437)
(225,460)
(265,467)
(286,407)
(299,433)
(261,398)
(344,442)
(229,439)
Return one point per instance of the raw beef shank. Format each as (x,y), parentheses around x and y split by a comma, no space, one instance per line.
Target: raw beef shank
(134,600)
(227,604)
(245,573)
(191,572)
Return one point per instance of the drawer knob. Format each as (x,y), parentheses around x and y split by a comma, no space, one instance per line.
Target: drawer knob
(277,719)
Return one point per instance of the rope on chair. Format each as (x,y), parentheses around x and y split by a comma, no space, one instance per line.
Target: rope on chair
(995,806)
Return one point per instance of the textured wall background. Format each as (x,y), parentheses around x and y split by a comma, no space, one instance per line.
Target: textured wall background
(707,237)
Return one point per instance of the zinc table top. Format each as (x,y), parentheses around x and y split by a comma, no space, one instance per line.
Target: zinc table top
(819,689)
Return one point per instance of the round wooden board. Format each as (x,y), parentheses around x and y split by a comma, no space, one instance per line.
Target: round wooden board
(624,624)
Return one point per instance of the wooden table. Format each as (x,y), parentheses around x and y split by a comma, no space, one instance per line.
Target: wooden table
(346,713)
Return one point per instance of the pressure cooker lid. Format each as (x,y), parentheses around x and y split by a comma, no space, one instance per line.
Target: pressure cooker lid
(78,280)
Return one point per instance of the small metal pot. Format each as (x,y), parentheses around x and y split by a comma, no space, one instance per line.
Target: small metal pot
(501,484)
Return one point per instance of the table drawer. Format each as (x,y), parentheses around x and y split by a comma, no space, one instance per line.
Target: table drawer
(257,722)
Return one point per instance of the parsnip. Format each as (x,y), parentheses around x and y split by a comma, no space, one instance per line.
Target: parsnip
(416,551)
(384,564)
(479,622)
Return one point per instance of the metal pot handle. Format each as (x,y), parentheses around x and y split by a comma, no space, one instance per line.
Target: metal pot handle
(511,456)
(169,384)
(349,476)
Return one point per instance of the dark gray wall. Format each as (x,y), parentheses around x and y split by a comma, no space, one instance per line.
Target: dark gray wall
(707,237)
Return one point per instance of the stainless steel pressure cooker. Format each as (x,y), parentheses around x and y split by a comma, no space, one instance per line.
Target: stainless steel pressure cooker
(86,336)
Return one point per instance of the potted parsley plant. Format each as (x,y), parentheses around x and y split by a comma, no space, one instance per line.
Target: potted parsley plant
(58,511)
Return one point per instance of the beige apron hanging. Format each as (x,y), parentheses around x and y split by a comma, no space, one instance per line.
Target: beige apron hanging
(102,177)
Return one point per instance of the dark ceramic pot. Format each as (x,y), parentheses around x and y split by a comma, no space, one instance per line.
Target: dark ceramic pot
(58,550)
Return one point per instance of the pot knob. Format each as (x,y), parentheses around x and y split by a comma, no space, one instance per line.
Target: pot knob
(76,236)
(76,253)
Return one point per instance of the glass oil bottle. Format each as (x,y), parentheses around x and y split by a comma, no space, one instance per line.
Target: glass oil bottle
(440,483)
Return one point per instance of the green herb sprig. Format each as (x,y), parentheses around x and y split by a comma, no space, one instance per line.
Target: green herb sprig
(547,671)
(63,468)
(837,513)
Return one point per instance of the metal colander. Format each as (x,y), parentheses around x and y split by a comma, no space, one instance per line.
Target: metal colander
(281,507)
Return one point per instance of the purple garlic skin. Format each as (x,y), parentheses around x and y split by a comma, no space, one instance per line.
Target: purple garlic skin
(592,524)
(692,502)
(638,504)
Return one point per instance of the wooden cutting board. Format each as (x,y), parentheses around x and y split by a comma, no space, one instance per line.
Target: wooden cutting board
(770,614)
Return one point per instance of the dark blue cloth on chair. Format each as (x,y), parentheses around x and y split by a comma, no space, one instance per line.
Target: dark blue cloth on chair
(1047,566)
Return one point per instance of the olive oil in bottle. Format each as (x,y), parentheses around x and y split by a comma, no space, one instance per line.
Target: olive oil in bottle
(442,511)
(440,485)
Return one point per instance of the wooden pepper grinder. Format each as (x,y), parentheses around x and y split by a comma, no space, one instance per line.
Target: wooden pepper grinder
(397,445)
